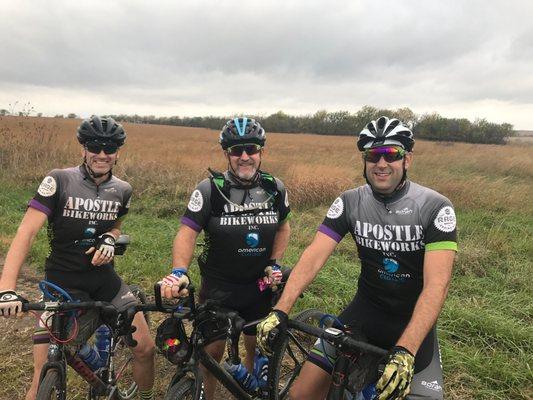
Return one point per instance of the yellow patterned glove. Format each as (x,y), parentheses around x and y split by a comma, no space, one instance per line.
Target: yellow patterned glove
(269,329)
(395,381)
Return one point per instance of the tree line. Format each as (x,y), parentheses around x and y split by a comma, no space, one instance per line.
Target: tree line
(427,126)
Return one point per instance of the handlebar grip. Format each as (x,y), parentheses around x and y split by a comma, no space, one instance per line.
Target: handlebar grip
(157,295)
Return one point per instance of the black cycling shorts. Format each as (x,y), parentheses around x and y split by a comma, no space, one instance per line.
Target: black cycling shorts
(246,299)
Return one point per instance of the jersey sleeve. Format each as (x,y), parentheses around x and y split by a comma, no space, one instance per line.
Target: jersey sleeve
(336,224)
(284,207)
(47,195)
(199,208)
(125,208)
(441,234)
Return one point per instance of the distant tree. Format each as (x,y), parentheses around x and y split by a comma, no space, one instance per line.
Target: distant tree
(3,112)
(39,114)
(58,116)
(72,115)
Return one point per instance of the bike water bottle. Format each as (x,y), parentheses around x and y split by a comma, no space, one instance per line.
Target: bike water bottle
(241,375)
(103,343)
(369,392)
(261,369)
(90,356)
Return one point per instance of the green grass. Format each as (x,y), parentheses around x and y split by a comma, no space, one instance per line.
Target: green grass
(485,328)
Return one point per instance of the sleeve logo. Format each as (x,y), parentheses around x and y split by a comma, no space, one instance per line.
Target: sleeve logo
(196,202)
(286,199)
(336,209)
(445,220)
(47,187)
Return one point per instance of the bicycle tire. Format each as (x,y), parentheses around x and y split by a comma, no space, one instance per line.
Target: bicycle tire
(126,388)
(184,389)
(50,387)
(289,355)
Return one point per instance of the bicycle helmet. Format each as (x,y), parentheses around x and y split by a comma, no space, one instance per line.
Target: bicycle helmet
(242,130)
(383,132)
(101,130)
(172,341)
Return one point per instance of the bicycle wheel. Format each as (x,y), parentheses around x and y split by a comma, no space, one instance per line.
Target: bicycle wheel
(126,388)
(50,387)
(184,389)
(290,354)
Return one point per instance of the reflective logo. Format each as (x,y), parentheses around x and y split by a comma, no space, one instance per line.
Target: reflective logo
(432,385)
(89,232)
(252,239)
(445,220)
(110,190)
(47,187)
(286,199)
(390,265)
(336,209)
(196,202)
(404,211)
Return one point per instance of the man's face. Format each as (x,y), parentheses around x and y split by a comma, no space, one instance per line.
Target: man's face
(384,176)
(97,158)
(245,159)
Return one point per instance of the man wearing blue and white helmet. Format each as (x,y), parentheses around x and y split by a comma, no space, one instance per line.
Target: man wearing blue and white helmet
(405,236)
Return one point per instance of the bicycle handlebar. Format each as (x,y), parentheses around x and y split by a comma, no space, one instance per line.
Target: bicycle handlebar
(339,339)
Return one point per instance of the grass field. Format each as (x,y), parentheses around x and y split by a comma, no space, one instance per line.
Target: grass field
(486,326)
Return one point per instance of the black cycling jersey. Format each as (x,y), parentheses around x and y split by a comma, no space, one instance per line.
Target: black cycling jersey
(239,238)
(78,212)
(392,237)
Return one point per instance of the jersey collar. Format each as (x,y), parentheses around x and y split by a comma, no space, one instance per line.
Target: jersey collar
(87,176)
(387,199)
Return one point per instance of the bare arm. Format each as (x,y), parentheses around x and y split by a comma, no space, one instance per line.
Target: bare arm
(31,223)
(312,260)
(183,248)
(438,266)
(281,240)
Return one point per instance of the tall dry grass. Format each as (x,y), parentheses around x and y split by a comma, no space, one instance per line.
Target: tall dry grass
(167,162)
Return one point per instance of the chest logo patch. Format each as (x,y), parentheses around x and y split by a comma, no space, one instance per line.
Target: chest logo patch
(336,209)
(445,220)
(287,198)
(252,239)
(196,202)
(47,187)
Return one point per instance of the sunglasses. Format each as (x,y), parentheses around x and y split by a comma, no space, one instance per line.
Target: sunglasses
(250,149)
(389,153)
(96,147)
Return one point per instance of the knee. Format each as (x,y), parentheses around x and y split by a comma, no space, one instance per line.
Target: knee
(145,349)
(298,392)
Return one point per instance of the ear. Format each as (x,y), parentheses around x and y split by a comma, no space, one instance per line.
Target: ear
(408,159)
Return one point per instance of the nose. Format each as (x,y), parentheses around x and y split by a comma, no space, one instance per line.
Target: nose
(381,162)
(244,155)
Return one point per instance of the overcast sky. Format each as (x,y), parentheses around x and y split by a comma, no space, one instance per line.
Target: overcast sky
(470,59)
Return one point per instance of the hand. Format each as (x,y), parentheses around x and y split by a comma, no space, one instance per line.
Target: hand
(105,249)
(175,284)
(272,278)
(10,303)
(395,381)
(269,328)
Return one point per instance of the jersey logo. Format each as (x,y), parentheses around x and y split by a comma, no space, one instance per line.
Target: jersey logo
(196,202)
(404,211)
(287,198)
(47,187)
(445,220)
(432,385)
(252,239)
(390,265)
(336,209)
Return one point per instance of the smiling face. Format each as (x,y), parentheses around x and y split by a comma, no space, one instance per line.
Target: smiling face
(99,163)
(245,165)
(383,176)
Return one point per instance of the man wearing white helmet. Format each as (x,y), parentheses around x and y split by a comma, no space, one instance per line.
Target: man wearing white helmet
(406,240)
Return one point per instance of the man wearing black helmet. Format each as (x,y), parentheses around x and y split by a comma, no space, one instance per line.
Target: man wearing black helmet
(406,240)
(244,214)
(84,206)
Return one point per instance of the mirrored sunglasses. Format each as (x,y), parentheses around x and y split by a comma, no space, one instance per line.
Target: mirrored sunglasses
(389,153)
(237,150)
(97,147)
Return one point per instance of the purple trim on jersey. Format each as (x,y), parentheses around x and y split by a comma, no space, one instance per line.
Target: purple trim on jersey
(38,206)
(330,232)
(191,224)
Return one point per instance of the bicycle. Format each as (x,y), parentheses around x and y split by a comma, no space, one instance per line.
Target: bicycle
(109,380)
(187,381)
(295,347)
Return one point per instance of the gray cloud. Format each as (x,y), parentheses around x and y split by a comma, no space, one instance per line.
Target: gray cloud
(264,56)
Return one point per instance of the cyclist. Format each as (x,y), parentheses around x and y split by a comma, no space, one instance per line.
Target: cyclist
(244,214)
(84,206)
(405,236)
